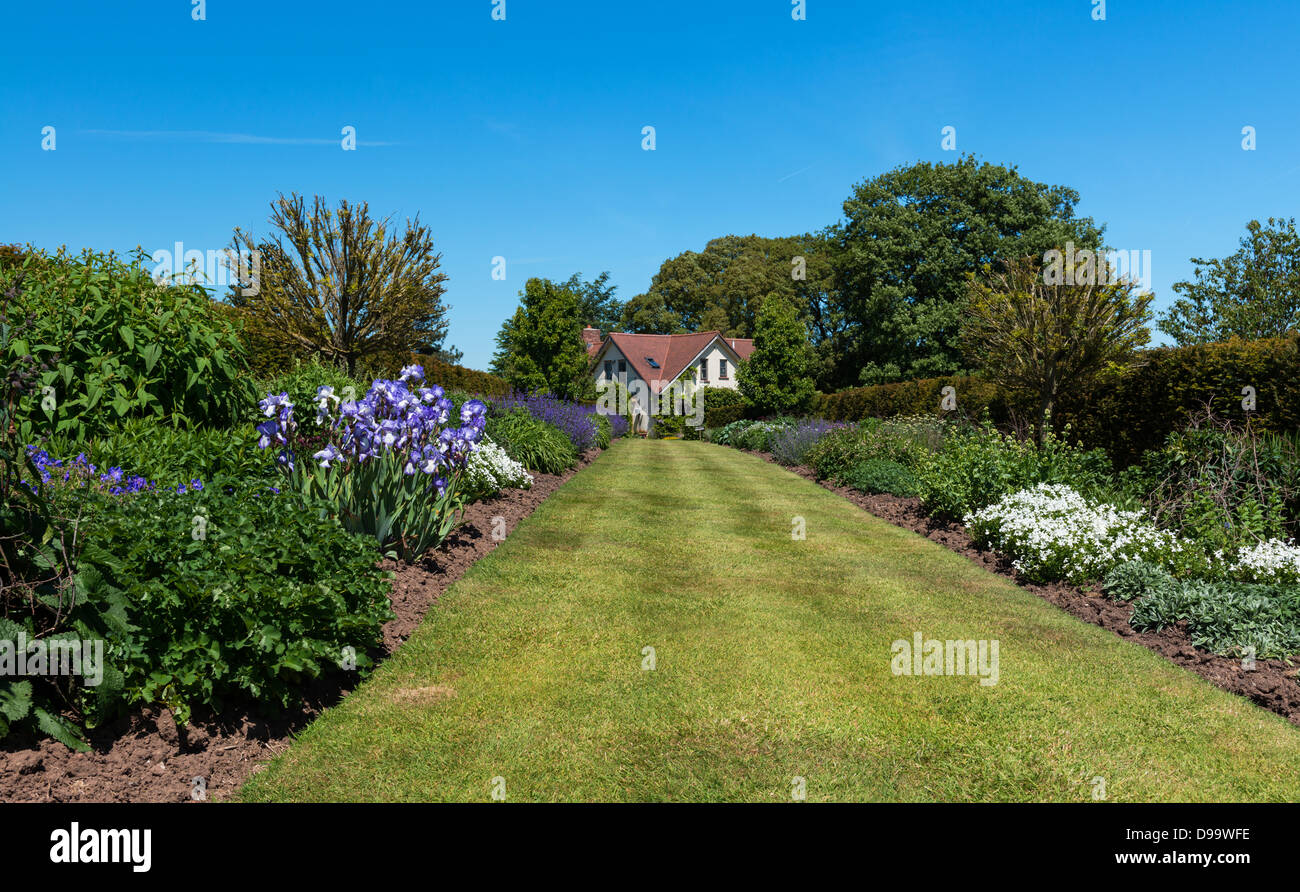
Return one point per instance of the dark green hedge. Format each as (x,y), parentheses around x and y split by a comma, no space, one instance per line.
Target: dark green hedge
(722,405)
(1125,414)
(920,397)
(457,377)
(1136,411)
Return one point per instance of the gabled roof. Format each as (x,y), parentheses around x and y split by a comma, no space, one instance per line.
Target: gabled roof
(672,353)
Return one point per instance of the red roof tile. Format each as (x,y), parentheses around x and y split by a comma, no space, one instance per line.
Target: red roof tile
(672,352)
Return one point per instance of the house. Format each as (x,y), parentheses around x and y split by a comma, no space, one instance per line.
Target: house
(645,364)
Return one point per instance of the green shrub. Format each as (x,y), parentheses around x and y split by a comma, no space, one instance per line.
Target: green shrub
(908,441)
(758,436)
(729,433)
(169,456)
(1223,617)
(1131,579)
(1126,414)
(126,347)
(540,447)
(920,397)
(604,430)
(879,475)
(456,377)
(977,466)
(1135,412)
(261,596)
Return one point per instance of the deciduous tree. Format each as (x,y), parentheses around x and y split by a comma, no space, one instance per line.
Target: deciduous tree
(1253,293)
(341,285)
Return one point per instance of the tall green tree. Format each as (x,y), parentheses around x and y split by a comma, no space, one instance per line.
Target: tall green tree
(909,240)
(1048,341)
(598,306)
(1252,293)
(778,376)
(338,285)
(724,286)
(540,347)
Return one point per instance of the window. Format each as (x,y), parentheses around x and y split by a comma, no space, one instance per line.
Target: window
(609,368)
(704,370)
(622,366)
(722,368)
(651,363)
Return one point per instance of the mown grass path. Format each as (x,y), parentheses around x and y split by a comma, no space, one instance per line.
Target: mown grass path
(772,661)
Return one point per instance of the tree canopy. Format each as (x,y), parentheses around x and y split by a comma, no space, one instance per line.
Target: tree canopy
(909,241)
(540,347)
(1252,293)
(336,284)
(778,376)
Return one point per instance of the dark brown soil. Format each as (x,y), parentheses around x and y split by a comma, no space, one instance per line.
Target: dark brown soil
(1272,684)
(144,757)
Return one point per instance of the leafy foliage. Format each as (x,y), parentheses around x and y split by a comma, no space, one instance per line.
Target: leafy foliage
(540,348)
(1253,293)
(910,239)
(267,598)
(1043,339)
(978,465)
(540,447)
(336,284)
(878,475)
(119,345)
(777,377)
(1223,617)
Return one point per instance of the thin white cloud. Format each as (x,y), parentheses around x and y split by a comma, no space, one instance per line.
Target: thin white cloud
(795,174)
(231,138)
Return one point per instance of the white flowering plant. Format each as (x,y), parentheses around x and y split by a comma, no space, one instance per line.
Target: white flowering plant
(1272,561)
(491,470)
(1051,533)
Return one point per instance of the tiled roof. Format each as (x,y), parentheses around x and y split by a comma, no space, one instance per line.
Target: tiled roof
(672,353)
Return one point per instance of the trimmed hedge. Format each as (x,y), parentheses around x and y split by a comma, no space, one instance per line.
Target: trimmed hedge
(1126,414)
(919,397)
(1136,411)
(722,406)
(457,377)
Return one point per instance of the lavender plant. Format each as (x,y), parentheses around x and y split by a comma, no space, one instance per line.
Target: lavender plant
(390,464)
(790,445)
(573,418)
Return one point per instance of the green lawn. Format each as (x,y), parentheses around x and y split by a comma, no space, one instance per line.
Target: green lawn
(773,661)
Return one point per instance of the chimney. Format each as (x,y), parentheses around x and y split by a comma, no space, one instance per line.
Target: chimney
(591,338)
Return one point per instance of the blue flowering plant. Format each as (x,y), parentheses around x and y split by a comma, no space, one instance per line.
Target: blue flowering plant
(390,464)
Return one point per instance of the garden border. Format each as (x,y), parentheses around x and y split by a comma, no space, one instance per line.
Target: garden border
(1273,684)
(144,757)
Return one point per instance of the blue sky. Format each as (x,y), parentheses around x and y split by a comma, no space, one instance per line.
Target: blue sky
(522,138)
